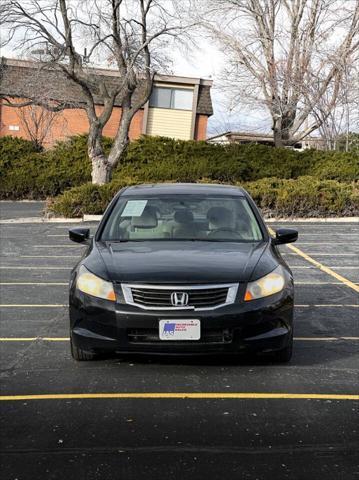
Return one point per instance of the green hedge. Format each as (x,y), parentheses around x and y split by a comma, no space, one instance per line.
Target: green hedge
(305,196)
(86,199)
(26,173)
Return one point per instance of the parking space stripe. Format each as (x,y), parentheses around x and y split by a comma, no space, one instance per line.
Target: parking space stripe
(43,284)
(322,267)
(67,339)
(50,256)
(58,246)
(322,243)
(327,254)
(28,305)
(320,283)
(32,339)
(325,269)
(328,305)
(53,284)
(325,339)
(183,395)
(30,267)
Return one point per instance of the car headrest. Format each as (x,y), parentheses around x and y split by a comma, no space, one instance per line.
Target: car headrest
(183,216)
(219,216)
(148,219)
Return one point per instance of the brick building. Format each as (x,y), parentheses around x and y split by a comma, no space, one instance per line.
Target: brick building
(179,107)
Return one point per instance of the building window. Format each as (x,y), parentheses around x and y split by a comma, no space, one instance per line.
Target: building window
(175,98)
(14,128)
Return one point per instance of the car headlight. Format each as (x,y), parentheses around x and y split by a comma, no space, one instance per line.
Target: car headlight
(88,283)
(265,286)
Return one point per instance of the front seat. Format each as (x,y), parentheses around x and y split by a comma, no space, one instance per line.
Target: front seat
(221,225)
(144,226)
(184,226)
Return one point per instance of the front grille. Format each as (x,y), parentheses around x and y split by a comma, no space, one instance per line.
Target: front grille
(197,296)
(150,335)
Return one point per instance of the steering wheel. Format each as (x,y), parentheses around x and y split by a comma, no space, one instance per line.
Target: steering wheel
(233,232)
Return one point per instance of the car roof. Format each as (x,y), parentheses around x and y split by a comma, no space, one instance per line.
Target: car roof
(184,189)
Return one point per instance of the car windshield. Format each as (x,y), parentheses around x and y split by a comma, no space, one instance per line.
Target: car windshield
(182,217)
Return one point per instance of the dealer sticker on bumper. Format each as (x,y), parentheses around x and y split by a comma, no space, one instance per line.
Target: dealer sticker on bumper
(180,329)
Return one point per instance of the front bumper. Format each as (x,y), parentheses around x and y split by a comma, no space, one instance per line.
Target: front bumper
(263,325)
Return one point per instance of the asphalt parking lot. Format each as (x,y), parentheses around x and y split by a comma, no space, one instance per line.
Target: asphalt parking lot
(213,418)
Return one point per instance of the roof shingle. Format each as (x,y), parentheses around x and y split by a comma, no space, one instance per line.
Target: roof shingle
(38,81)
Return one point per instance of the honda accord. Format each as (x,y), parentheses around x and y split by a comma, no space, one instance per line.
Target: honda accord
(181,269)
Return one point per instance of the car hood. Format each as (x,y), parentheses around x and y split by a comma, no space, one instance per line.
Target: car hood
(180,262)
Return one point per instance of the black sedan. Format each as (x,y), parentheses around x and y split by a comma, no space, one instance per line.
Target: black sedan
(181,269)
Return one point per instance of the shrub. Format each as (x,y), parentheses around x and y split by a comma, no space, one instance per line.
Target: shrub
(86,199)
(31,175)
(305,196)
(26,173)
(160,159)
(342,166)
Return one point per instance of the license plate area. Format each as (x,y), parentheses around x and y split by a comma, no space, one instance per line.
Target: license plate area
(189,329)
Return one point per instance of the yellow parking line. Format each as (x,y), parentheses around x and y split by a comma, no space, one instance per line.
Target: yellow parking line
(341,267)
(322,267)
(180,395)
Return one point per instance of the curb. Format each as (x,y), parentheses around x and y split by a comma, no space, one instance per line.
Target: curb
(314,220)
(92,218)
(40,220)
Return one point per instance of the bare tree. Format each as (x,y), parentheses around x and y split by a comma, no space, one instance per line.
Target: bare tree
(344,115)
(37,123)
(284,55)
(130,34)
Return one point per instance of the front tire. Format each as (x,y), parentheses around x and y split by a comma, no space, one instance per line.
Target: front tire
(79,354)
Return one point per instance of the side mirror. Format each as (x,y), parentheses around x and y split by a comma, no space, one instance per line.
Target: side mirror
(79,235)
(285,235)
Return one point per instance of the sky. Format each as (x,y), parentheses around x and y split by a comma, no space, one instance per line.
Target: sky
(207,62)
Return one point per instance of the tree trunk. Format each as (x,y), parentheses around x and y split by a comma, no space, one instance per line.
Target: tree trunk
(277,137)
(122,140)
(101,171)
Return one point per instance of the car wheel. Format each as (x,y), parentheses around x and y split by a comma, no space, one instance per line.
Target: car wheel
(79,354)
(284,355)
